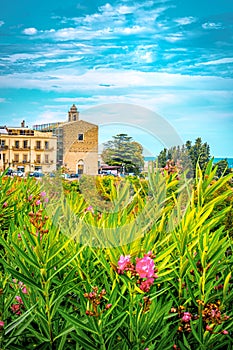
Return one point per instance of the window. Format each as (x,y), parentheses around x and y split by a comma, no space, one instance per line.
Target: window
(80,137)
(46,145)
(46,158)
(38,145)
(25,144)
(25,158)
(16,158)
(16,144)
(80,167)
(2,143)
(38,158)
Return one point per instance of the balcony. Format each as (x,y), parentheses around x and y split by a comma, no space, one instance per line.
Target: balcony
(39,149)
(3,147)
(20,148)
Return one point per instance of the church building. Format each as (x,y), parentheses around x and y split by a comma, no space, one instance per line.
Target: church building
(77,143)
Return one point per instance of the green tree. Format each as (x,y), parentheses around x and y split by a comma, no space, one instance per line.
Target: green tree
(125,152)
(222,168)
(188,155)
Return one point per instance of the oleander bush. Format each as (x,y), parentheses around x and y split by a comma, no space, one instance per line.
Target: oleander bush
(116,264)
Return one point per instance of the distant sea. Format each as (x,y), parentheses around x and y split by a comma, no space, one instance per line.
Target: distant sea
(230,160)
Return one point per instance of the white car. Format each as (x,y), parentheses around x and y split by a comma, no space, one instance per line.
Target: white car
(18,173)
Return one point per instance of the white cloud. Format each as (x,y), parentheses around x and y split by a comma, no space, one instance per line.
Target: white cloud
(20,57)
(172,38)
(1,23)
(211,25)
(71,79)
(219,61)
(131,30)
(143,53)
(185,20)
(49,117)
(77,100)
(123,9)
(30,31)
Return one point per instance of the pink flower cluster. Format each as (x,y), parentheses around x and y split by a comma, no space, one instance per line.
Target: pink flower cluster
(186,317)
(16,308)
(144,268)
(21,286)
(124,264)
(90,209)
(1,324)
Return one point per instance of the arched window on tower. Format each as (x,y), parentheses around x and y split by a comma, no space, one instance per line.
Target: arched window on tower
(80,167)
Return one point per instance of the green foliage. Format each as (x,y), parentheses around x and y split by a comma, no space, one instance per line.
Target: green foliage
(187,155)
(53,255)
(124,152)
(222,168)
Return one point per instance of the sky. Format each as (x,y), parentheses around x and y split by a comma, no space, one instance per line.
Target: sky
(171,57)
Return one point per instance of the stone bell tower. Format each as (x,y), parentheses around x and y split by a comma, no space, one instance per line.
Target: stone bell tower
(73,114)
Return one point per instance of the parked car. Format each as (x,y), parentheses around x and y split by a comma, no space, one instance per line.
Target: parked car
(18,173)
(73,176)
(9,172)
(65,176)
(36,174)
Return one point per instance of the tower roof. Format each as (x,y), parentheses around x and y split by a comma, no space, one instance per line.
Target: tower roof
(73,108)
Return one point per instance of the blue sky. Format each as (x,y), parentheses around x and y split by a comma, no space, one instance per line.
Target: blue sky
(174,57)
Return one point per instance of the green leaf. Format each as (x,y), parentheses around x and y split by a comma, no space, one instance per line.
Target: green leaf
(77,323)
(21,319)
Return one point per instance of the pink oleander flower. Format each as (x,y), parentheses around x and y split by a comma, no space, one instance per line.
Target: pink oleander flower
(19,299)
(20,283)
(24,290)
(145,267)
(90,209)
(186,317)
(5,204)
(19,235)
(215,313)
(38,202)
(108,306)
(43,194)
(208,328)
(46,200)
(225,331)
(145,285)
(1,324)
(16,308)
(123,262)
(30,197)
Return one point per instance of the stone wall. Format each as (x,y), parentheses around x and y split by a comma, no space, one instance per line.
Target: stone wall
(85,150)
